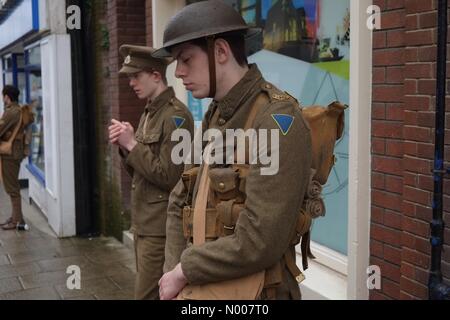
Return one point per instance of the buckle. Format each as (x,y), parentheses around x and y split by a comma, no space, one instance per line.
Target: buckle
(300,278)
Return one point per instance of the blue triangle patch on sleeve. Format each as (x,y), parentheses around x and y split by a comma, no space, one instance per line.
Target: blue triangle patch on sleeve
(179,121)
(284,122)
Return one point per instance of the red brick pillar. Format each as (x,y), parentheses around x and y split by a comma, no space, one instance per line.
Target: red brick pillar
(126,25)
(387,147)
(420,87)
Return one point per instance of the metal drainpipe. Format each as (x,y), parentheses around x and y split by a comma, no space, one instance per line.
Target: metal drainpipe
(436,288)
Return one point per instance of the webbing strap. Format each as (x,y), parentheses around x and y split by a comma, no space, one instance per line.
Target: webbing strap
(199,221)
(212,66)
(16,130)
(261,100)
(292,266)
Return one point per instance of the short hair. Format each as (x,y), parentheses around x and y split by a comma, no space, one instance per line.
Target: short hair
(12,92)
(236,42)
(161,72)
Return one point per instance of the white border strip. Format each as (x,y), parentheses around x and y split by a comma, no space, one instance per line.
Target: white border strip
(360,142)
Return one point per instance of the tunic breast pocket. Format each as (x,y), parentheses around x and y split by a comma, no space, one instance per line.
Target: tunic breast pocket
(151,139)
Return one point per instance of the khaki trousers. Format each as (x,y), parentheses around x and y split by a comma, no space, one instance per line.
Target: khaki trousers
(149,266)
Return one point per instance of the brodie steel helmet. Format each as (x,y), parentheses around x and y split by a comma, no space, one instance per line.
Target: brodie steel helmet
(205,19)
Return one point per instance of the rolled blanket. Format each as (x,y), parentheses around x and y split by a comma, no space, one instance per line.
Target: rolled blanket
(314,189)
(315,207)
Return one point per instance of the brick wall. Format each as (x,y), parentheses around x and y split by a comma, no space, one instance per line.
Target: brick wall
(126,21)
(404,55)
(121,22)
(149,22)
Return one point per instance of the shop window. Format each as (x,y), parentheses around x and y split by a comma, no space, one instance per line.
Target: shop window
(33,79)
(13,73)
(304,49)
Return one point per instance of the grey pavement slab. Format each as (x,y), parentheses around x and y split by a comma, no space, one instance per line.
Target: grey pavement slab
(46,293)
(33,264)
(89,287)
(58,264)
(10,285)
(3,260)
(8,271)
(43,279)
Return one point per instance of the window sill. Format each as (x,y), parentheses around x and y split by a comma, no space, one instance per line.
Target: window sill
(323,283)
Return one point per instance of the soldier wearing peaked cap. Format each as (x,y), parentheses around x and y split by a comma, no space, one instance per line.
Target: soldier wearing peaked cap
(239,224)
(146,155)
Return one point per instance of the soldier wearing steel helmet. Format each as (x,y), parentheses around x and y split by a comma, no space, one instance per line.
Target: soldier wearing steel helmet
(207,39)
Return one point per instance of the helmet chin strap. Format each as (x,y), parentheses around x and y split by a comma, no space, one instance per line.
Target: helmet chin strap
(212,66)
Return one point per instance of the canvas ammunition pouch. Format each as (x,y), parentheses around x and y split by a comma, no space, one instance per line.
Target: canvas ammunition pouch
(224,190)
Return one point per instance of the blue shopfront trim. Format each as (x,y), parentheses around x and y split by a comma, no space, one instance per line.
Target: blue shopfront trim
(36,172)
(35,10)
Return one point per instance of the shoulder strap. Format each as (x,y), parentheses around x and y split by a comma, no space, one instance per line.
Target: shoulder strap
(260,101)
(16,129)
(201,202)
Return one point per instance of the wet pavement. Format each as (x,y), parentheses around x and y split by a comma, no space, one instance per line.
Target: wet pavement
(33,263)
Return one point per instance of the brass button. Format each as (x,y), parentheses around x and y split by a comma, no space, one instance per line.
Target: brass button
(133,186)
(222,185)
(278,97)
(222,122)
(300,278)
(160,196)
(268,86)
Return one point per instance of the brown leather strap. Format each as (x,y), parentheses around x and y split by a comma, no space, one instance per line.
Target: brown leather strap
(16,129)
(212,66)
(214,119)
(199,227)
(260,101)
(201,199)
(292,267)
(306,249)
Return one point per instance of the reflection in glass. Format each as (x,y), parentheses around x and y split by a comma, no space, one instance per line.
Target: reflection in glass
(34,79)
(22,87)
(37,144)
(34,56)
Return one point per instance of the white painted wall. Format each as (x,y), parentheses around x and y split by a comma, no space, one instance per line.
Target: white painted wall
(360,156)
(17,24)
(57,199)
(43,16)
(52,16)
(1,88)
(163,10)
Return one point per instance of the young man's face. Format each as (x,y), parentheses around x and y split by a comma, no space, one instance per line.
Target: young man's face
(192,68)
(6,100)
(143,83)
